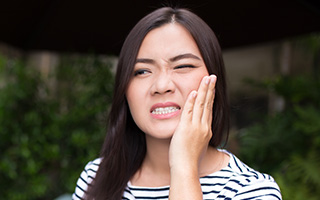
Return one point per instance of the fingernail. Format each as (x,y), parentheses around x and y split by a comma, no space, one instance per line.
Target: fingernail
(207,80)
(194,94)
(212,78)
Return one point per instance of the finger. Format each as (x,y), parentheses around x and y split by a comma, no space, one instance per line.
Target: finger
(207,111)
(186,115)
(200,100)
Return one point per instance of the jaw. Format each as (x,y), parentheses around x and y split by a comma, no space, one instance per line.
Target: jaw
(161,129)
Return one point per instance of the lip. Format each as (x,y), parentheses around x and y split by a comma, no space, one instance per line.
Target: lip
(167,115)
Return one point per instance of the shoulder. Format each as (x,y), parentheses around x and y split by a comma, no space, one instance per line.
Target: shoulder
(249,183)
(86,177)
(92,167)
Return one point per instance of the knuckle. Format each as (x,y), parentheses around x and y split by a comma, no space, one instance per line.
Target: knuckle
(209,106)
(189,111)
(201,105)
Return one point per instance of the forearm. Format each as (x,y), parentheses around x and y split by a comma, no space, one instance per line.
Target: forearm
(185,184)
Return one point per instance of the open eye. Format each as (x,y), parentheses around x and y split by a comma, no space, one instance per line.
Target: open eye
(141,72)
(184,66)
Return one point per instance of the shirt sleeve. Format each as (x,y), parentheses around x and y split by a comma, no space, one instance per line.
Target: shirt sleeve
(85,179)
(262,190)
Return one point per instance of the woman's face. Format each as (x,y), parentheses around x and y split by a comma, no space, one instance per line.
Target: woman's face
(168,67)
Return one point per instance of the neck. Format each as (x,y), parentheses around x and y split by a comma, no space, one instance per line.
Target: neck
(155,169)
(157,156)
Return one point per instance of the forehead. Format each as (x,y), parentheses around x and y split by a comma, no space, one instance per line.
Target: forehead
(168,40)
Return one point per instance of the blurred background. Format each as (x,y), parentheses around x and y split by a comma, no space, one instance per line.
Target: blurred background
(57,64)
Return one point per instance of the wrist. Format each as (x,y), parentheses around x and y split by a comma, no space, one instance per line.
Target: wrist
(184,170)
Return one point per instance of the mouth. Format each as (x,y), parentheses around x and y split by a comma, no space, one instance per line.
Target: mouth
(165,110)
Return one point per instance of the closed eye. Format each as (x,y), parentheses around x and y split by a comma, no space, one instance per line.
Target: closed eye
(141,72)
(184,66)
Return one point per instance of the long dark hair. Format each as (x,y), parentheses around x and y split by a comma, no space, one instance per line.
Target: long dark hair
(124,147)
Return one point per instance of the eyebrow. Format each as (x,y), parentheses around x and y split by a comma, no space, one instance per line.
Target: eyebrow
(184,56)
(173,59)
(145,60)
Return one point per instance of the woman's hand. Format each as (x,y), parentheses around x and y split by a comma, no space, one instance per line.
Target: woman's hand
(190,141)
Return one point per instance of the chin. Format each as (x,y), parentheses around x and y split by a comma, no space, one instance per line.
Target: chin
(167,132)
(162,132)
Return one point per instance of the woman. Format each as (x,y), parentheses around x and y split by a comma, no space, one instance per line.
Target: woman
(168,117)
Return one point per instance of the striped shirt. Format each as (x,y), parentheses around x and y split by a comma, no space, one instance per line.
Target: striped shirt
(236,181)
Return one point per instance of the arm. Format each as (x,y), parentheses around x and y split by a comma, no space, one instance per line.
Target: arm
(190,142)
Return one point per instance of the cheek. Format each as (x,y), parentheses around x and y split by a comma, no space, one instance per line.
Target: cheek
(133,108)
(197,81)
(193,83)
(134,97)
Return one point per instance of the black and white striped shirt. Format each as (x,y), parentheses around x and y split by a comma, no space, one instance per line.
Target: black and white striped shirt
(236,181)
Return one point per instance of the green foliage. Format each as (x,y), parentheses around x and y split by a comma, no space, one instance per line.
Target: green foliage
(287,144)
(50,127)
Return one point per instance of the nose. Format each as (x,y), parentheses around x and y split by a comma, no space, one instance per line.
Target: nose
(162,84)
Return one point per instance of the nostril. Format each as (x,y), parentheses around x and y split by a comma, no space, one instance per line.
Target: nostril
(159,92)
(162,85)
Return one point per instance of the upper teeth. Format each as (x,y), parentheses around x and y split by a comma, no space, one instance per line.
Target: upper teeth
(166,110)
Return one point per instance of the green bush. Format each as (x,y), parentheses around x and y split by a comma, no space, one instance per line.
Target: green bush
(50,128)
(287,144)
